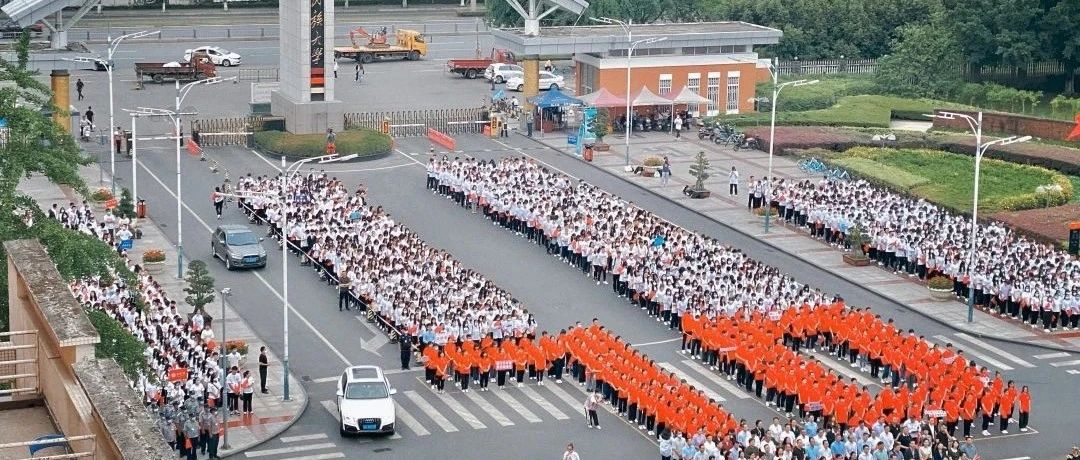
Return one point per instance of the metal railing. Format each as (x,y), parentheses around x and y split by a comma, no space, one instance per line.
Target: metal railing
(66,442)
(409,123)
(252,32)
(257,74)
(12,356)
(218,132)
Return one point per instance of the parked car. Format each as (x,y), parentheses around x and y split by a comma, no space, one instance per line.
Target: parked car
(10,26)
(219,56)
(365,401)
(548,80)
(501,72)
(238,247)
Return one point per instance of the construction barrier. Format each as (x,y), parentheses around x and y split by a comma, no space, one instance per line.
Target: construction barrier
(218,132)
(415,123)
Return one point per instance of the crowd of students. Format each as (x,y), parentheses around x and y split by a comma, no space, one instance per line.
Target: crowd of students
(380,264)
(1013,275)
(187,404)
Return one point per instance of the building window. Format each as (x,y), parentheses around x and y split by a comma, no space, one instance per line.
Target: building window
(665,83)
(693,83)
(733,92)
(713,93)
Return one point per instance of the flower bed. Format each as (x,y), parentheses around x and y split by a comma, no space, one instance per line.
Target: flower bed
(1051,224)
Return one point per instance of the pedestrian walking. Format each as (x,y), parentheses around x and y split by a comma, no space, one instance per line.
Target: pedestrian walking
(733,182)
(232,382)
(331,141)
(247,386)
(570,453)
(678,127)
(264,365)
(592,420)
(529,126)
(79,85)
(218,199)
(359,71)
(665,171)
(90,115)
(504,129)
(118,139)
(335,69)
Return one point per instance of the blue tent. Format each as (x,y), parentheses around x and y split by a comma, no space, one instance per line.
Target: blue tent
(497,95)
(554,98)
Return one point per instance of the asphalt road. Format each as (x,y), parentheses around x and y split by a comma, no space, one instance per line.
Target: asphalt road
(323,340)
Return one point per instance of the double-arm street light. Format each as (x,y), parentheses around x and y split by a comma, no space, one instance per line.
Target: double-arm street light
(626,26)
(975,123)
(109,64)
(774,70)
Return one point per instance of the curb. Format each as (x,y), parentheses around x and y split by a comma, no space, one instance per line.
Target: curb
(804,259)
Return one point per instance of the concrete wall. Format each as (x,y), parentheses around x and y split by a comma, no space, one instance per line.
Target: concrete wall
(1019,125)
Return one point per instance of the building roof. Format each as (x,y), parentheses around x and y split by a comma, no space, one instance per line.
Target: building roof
(67,318)
(567,40)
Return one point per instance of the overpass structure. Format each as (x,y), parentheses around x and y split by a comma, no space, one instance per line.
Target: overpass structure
(50,13)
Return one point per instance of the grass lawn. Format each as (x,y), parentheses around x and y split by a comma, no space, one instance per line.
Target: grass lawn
(365,143)
(1076,189)
(947,178)
(862,111)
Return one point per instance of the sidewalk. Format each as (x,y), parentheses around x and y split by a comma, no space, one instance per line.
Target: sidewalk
(732,212)
(272,415)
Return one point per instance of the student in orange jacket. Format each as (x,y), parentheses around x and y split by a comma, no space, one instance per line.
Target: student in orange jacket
(1024,400)
(986,403)
(1005,405)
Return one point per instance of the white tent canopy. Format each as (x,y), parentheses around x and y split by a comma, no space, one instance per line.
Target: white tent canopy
(644,97)
(602,98)
(687,96)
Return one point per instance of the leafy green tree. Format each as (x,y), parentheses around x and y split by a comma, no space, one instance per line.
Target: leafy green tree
(700,170)
(200,288)
(601,124)
(922,63)
(1062,37)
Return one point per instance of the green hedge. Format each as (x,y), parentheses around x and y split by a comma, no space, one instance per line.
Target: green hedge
(862,111)
(822,95)
(365,143)
(119,344)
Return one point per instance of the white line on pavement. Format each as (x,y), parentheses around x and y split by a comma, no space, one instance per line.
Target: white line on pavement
(1060,354)
(331,407)
(464,413)
(414,160)
(692,381)
(378,341)
(1066,363)
(256,274)
(267,160)
(305,437)
(1073,371)
(986,359)
(991,348)
(288,450)
(658,342)
(317,456)
(543,403)
(717,379)
(574,404)
(496,414)
(844,368)
(431,412)
(327,379)
(410,421)
(517,406)
(370,169)
(1017,458)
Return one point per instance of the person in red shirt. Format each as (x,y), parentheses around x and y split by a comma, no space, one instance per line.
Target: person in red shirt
(986,404)
(1025,407)
(1005,406)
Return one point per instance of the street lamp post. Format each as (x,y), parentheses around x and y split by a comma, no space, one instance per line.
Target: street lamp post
(975,123)
(224,370)
(774,70)
(109,64)
(626,26)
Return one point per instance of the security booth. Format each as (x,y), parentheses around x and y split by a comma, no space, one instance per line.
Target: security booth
(1074,238)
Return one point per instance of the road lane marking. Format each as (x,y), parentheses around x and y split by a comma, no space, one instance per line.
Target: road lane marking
(1073,371)
(717,379)
(289,450)
(496,414)
(410,421)
(414,160)
(258,275)
(1060,354)
(692,381)
(844,368)
(991,348)
(431,412)
(971,352)
(1066,363)
(318,456)
(331,407)
(574,404)
(517,406)
(544,404)
(658,342)
(464,413)
(306,437)
(327,379)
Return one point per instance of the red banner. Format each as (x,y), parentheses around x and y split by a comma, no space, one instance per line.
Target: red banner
(441,138)
(504,365)
(178,374)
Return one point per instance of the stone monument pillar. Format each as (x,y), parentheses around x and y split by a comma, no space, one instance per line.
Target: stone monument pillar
(61,88)
(305,96)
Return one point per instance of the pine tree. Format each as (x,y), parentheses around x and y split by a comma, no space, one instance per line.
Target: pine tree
(126,208)
(200,289)
(700,170)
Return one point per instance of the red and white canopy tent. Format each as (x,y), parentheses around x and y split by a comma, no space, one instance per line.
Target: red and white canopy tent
(602,98)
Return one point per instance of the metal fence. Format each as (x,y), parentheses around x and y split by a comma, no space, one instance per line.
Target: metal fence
(255,32)
(828,66)
(409,123)
(218,132)
(256,74)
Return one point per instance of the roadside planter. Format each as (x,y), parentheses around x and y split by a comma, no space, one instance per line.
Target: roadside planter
(857,257)
(154,261)
(940,288)
(651,166)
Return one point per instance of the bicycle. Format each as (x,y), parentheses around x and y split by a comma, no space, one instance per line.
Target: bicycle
(811,165)
(839,175)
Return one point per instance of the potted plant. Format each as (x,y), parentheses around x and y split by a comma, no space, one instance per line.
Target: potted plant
(200,289)
(651,165)
(857,256)
(238,345)
(601,128)
(154,260)
(100,197)
(940,288)
(700,170)
(763,211)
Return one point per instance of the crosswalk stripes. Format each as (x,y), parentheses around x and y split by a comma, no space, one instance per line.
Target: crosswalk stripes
(993,349)
(692,381)
(1066,363)
(331,407)
(978,355)
(1060,354)
(716,378)
(517,406)
(544,404)
(407,418)
(464,413)
(298,447)
(496,414)
(576,405)
(431,412)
